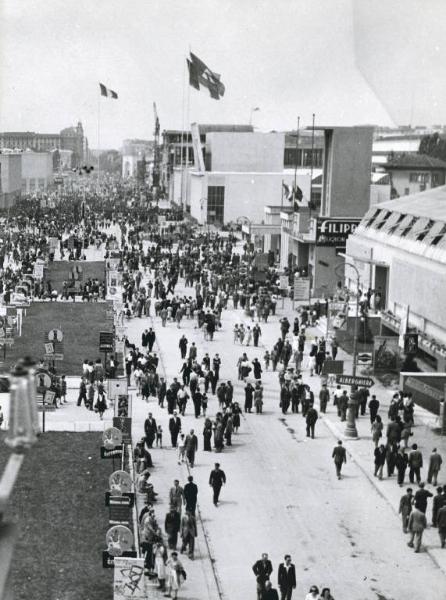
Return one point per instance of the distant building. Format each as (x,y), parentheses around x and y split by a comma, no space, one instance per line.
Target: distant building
(135,154)
(383,147)
(10,178)
(177,147)
(71,138)
(37,171)
(412,173)
(241,173)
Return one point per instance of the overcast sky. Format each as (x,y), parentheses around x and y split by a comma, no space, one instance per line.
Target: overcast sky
(349,62)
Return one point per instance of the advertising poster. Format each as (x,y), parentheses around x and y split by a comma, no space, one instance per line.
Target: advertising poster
(129,579)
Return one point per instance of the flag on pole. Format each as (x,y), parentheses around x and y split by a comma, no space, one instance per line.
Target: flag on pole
(200,74)
(293,194)
(108,93)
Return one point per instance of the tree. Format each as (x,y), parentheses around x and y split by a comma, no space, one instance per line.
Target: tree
(433,145)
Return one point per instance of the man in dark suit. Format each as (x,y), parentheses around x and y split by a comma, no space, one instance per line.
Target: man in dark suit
(150,430)
(190,495)
(144,340)
(286,578)
(174,428)
(151,339)
(217,479)
(262,570)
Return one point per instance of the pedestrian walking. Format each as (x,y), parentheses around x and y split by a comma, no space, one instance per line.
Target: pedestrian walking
(438,501)
(175,575)
(172,525)
(339,456)
(217,479)
(405,508)
(380,459)
(441,524)
(421,498)
(188,534)
(176,496)
(174,428)
(191,447)
(415,464)
(311,419)
(262,569)
(324,398)
(373,408)
(417,525)
(190,495)
(401,461)
(435,462)
(286,578)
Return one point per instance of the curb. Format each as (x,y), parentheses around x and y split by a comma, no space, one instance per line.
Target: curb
(333,430)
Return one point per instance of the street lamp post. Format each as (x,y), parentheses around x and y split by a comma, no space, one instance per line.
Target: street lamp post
(350,429)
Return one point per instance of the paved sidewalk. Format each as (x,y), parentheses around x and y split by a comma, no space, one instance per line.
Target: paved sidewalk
(254,468)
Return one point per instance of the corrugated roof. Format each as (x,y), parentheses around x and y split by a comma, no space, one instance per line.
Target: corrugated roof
(430,204)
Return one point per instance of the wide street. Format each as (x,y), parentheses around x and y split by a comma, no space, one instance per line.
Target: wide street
(282,495)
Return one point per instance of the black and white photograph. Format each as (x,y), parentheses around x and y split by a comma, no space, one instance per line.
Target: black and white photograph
(222,314)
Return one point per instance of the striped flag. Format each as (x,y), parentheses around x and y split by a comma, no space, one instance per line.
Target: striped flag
(108,93)
(201,75)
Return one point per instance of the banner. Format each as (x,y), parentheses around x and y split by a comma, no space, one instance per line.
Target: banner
(196,143)
(129,582)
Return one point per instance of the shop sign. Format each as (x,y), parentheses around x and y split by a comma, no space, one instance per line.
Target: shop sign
(335,231)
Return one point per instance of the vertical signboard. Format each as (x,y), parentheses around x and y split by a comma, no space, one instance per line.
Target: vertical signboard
(129,582)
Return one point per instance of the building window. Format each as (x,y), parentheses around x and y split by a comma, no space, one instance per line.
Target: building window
(41,183)
(216,204)
(32,185)
(425,231)
(408,227)
(438,236)
(384,215)
(368,219)
(397,223)
(24,185)
(303,157)
(290,157)
(418,177)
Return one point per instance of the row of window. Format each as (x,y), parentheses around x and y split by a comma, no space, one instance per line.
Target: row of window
(34,184)
(409,226)
(303,157)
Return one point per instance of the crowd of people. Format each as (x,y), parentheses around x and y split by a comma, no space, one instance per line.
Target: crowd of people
(153,267)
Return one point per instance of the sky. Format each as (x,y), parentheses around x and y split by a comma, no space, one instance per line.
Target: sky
(348,61)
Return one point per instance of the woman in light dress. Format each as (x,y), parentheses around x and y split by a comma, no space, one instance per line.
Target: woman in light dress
(175,575)
(159,555)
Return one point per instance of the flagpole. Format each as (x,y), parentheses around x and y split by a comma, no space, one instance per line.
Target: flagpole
(99,137)
(312,164)
(187,142)
(183,100)
(297,146)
